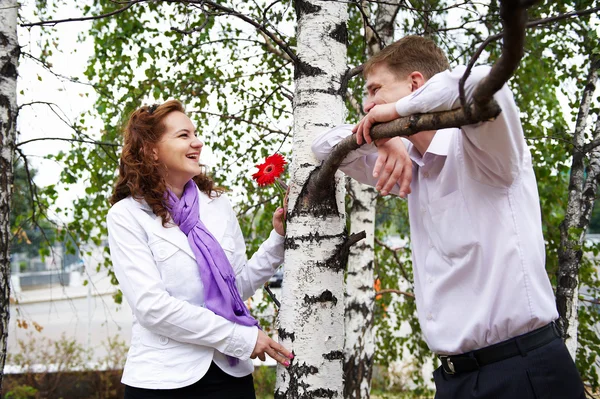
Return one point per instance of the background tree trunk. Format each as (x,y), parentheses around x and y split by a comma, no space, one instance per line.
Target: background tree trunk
(583,185)
(9,56)
(359,346)
(312,313)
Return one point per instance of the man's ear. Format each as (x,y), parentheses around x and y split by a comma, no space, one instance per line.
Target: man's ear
(416,80)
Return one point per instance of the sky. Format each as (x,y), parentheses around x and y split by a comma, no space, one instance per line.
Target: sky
(38,84)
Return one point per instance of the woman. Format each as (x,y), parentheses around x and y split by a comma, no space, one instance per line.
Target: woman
(179,255)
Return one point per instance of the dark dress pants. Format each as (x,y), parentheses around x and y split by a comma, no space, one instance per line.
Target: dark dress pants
(547,372)
(216,384)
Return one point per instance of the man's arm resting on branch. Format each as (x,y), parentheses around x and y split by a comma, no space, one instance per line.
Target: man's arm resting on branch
(493,150)
(386,167)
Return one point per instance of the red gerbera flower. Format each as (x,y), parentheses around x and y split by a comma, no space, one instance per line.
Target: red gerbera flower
(269,171)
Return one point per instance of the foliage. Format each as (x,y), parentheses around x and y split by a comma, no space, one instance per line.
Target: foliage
(237,88)
(21,392)
(264,381)
(32,232)
(65,368)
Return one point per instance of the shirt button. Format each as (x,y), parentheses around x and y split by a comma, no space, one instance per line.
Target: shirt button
(423,210)
(430,317)
(163,340)
(238,352)
(425,174)
(430,279)
(162,252)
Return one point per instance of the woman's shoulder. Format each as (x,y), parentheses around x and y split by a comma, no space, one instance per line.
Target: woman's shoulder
(128,205)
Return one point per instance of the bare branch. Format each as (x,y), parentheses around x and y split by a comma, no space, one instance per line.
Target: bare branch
(71,140)
(110,14)
(272,49)
(245,18)
(393,291)
(394,252)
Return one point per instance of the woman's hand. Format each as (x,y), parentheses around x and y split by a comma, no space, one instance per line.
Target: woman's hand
(279,216)
(264,344)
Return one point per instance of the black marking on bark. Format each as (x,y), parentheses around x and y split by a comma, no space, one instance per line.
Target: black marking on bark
(302,69)
(322,393)
(296,385)
(304,369)
(356,371)
(306,165)
(304,7)
(284,334)
(9,70)
(340,33)
(334,355)
(339,259)
(365,288)
(361,308)
(307,104)
(4,40)
(322,124)
(326,206)
(342,91)
(326,296)
(290,243)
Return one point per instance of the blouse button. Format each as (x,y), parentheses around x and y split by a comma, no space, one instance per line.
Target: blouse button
(163,340)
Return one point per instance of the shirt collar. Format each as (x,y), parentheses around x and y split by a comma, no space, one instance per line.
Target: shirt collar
(439,146)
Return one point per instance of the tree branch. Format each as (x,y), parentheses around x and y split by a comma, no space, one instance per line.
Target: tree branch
(533,24)
(110,14)
(393,291)
(245,18)
(71,140)
(481,108)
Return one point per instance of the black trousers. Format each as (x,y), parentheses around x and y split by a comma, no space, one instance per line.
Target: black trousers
(216,384)
(547,372)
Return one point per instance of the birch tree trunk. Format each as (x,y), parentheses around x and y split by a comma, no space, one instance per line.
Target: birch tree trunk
(582,194)
(312,313)
(9,55)
(359,347)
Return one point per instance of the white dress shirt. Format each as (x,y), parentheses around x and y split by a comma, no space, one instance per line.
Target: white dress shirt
(174,338)
(475,221)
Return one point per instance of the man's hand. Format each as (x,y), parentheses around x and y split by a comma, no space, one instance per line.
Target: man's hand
(375,114)
(393,166)
(264,344)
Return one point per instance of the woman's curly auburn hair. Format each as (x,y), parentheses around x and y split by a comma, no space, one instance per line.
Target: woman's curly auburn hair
(139,173)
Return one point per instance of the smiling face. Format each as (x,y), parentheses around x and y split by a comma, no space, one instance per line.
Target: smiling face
(384,86)
(178,150)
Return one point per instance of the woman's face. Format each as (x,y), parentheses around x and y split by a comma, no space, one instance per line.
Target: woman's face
(179,149)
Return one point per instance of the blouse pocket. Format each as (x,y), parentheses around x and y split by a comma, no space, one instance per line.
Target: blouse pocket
(164,254)
(162,250)
(453,233)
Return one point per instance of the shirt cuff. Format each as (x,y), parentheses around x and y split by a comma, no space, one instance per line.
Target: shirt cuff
(242,342)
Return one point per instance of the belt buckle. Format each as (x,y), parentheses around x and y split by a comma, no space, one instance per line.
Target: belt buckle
(447,365)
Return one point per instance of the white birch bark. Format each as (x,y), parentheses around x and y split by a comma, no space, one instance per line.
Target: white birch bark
(582,194)
(311,319)
(359,347)
(360,295)
(9,55)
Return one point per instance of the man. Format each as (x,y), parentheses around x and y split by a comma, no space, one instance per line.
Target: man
(484,301)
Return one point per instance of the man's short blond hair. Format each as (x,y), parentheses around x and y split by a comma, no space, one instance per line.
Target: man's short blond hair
(409,54)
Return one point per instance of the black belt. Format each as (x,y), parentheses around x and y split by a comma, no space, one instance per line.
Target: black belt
(515,346)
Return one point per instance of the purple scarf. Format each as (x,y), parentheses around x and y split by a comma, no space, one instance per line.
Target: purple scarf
(220,291)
